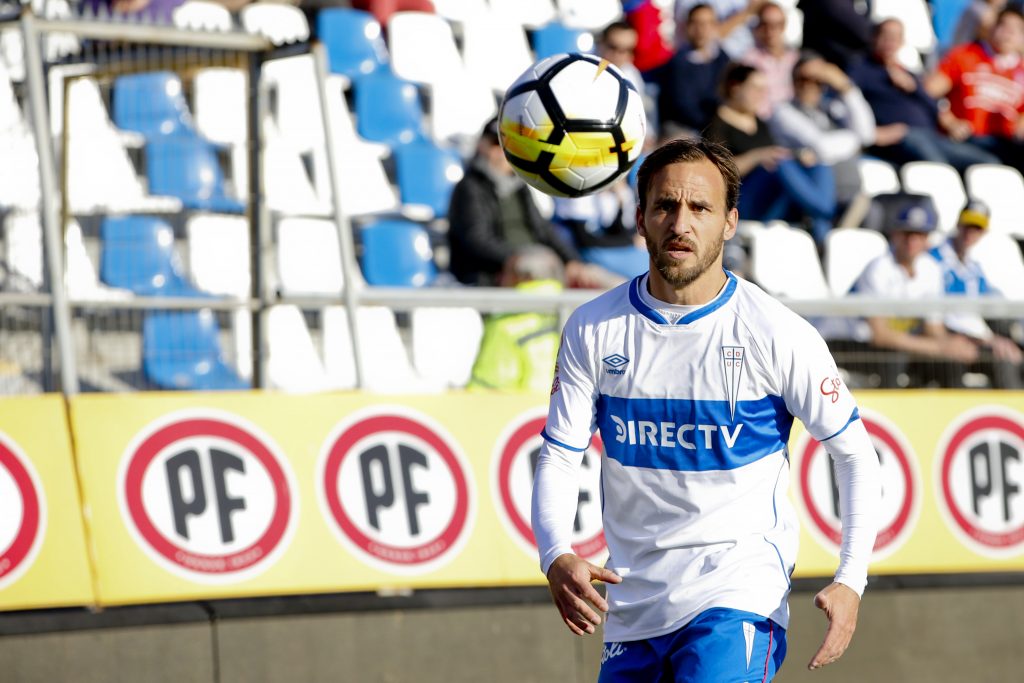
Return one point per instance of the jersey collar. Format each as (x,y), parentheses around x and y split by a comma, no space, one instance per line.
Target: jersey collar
(656,317)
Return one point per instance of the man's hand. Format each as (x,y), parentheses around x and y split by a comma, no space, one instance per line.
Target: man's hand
(840,604)
(569,578)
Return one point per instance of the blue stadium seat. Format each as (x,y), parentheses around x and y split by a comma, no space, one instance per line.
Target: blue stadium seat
(181,350)
(427,174)
(397,254)
(353,40)
(555,38)
(138,255)
(388,110)
(152,104)
(186,167)
(945,17)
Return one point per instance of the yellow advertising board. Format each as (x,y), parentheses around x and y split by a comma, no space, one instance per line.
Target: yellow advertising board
(201,496)
(43,557)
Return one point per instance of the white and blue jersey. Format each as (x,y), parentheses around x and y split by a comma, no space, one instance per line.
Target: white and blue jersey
(694,417)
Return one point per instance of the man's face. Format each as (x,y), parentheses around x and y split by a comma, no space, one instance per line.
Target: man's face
(770,32)
(968,235)
(1008,35)
(619,46)
(908,245)
(685,221)
(889,40)
(702,28)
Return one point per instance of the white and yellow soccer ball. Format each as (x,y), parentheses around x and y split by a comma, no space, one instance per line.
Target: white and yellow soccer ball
(572,124)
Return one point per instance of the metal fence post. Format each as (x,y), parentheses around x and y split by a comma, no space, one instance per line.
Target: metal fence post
(53,241)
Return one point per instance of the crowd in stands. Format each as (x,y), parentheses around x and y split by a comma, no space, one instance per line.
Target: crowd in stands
(802,92)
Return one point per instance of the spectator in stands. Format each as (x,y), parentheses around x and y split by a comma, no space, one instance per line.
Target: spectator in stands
(647,19)
(603,228)
(1001,357)
(984,83)
(492,214)
(777,183)
(733,18)
(838,30)
(829,116)
(977,21)
(688,82)
(772,57)
(906,272)
(617,44)
(910,124)
(518,350)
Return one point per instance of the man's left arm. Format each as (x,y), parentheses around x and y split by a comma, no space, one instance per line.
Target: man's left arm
(815,393)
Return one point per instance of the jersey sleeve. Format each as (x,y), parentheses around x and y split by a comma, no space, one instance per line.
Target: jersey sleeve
(571,410)
(811,386)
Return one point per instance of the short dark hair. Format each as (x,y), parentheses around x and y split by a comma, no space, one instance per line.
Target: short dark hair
(698,7)
(689,150)
(611,28)
(1011,8)
(734,74)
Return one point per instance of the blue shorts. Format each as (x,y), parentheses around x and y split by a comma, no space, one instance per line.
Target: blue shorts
(718,646)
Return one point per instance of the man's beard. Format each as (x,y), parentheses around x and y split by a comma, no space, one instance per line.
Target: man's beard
(680,275)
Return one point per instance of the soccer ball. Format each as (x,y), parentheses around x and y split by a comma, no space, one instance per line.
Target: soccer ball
(571,124)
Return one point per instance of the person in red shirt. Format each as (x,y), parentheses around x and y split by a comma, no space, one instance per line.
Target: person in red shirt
(984,85)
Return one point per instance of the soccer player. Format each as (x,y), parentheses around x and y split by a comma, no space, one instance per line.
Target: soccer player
(693,377)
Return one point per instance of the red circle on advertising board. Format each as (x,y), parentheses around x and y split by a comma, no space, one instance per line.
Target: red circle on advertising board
(12,557)
(995,540)
(531,430)
(899,523)
(344,445)
(237,561)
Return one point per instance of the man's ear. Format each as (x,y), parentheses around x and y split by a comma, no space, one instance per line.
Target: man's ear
(731,219)
(641,227)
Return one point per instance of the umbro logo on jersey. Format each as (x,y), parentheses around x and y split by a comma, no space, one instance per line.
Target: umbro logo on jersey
(615,364)
(732,363)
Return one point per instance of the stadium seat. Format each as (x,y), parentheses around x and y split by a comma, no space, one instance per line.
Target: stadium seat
(877,177)
(589,15)
(308,257)
(23,250)
(19,172)
(942,183)
(495,50)
(531,14)
(221,116)
(152,104)
(101,176)
(847,253)
(293,364)
(138,254)
(388,110)
(784,261)
(365,187)
(945,17)
(287,187)
(397,254)
(187,167)
(386,366)
(218,254)
(555,39)
(460,11)
(461,108)
(196,15)
(181,350)
(82,281)
(1002,188)
(445,342)
(278,22)
(423,48)
(426,176)
(1001,261)
(353,40)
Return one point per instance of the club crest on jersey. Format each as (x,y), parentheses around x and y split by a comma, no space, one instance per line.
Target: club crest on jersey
(732,363)
(615,364)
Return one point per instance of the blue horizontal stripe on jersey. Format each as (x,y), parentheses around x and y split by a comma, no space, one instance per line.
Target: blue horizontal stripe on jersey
(691,435)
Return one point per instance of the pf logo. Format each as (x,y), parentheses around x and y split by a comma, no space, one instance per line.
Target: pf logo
(207,496)
(513,465)
(22,513)
(396,490)
(980,476)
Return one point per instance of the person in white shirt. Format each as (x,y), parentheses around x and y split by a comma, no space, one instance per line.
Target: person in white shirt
(693,377)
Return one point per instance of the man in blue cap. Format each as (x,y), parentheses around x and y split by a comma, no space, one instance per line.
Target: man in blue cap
(905,272)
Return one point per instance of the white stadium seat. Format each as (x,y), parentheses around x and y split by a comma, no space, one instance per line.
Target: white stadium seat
(308,257)
(293,364)
(423,48)
(495,50)
(847,252)
(916,19)
(942,183)
(445,342)
(196,15)
(218,254)
(278,22)
(1002,264)
(528,13)
(590,15)
(877,177)
(1002,188)
(784,262)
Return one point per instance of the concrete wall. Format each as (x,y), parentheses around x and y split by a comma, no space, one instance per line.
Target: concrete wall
(951,634)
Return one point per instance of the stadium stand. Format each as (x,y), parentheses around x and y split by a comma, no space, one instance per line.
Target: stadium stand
(181,350)
(139,255)
(354,43)
(397,254)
